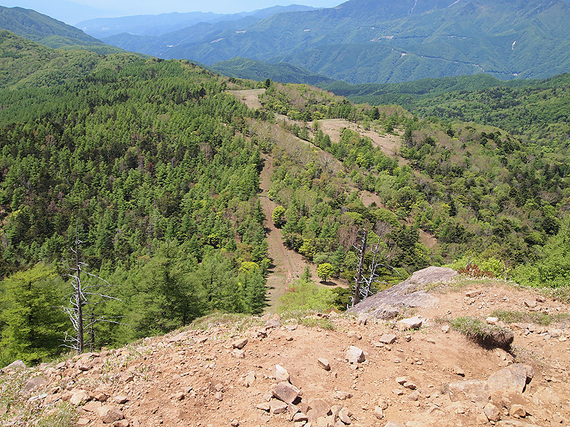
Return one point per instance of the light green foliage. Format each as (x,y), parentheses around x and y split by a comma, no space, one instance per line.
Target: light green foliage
(278,216)
(305,295)
(31,321)
(325,270)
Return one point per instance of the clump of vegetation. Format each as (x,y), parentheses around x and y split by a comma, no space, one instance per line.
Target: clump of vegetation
(238,321)
(473,270)
(16,407)
(318,322)
(540,318)
(487,336)
(305,295)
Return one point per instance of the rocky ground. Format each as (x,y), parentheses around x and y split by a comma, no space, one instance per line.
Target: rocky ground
(324,370)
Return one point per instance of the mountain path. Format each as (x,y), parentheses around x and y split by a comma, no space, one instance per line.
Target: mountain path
(287,265)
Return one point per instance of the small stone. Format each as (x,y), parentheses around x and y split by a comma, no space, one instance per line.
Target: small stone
(398,392)
(363,319)
(109,415)
(445,329)
(492,412)
(345,415)
(354,334)
(264,406)
(83,422)
(277,407)
(281,374)
(473,294)
(178,396)
(79,397)
(121,399)
(324,363)
(299,416)
(458,371)
(383,403)
(530,303)
(410,385)
(239,344)
(512,378)
(355,355)
(234,423)
(388,339)
(410,323)
(239,354)
(492,320)
(378,412)
(517,411)
(342,395)
(249,379)
(414,396)
(92,406)
(219,396)
(285,392)
(100,396)
(34,383)
(401,380)
(121,423)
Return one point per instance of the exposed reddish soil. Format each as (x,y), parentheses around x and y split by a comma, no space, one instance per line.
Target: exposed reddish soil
(199,378)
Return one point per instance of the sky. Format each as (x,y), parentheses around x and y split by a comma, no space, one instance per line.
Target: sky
(74,11)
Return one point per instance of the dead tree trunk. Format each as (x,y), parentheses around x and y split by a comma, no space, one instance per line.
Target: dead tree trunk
(361,247)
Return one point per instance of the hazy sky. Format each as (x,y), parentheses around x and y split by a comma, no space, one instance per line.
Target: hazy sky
(73,11)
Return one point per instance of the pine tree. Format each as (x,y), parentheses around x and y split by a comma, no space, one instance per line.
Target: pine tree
(34,329)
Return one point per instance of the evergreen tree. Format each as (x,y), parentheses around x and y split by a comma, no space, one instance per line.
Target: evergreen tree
(33,325)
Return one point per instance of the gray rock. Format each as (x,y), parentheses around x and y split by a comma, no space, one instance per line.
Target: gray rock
(277,407)
(14,366)
(344,415)
(410,323)
(286,392)
(512,378)
(388,339)
(34,383)
(472,390)
(79,397)
(109,415)
(355,355)
(281,374)
(407,294)
(324,363)
(318,408)
(492,412)
(239,344)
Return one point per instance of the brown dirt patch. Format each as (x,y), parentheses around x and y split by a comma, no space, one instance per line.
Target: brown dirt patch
(197,378)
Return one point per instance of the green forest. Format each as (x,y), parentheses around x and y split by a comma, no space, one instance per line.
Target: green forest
(141,178)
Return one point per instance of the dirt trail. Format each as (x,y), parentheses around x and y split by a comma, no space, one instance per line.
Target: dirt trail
(287,265)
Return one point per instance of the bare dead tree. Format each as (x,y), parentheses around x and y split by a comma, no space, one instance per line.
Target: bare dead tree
(381,252)
(81,296)
(360,246)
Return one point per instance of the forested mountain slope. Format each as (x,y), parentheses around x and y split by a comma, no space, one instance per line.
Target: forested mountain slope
(48,31)
(149,171)
(386,41)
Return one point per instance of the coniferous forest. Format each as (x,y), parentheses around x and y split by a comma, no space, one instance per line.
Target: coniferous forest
(144,175)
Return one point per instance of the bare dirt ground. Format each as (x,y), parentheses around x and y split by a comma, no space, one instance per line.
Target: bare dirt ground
(202,378)
(249,97)
(390,144)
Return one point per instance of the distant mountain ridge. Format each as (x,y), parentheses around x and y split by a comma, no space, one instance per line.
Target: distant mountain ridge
(385,41)
(47,31)
(156,25)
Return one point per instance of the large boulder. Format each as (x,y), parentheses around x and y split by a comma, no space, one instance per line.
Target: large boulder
(410,293)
